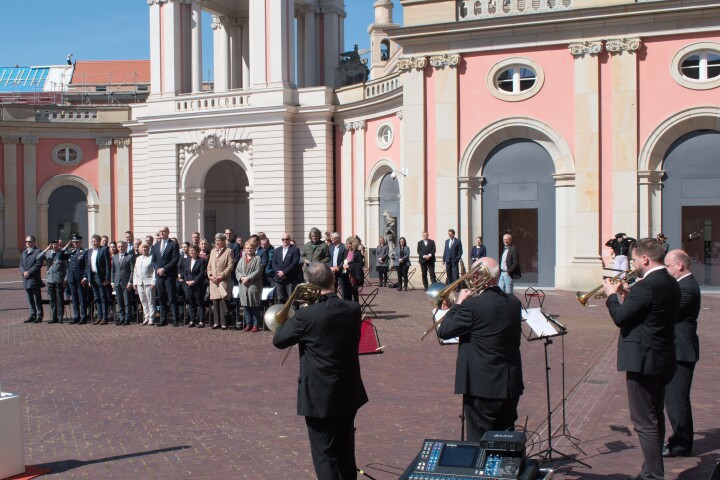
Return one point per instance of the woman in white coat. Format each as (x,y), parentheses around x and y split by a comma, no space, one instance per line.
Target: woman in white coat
(144,282)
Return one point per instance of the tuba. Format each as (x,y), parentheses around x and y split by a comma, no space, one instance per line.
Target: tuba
(278,314)
(599,292)
(476,278)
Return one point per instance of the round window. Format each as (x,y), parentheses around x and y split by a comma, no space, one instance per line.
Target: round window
(515,79)
(697,66)
(385,136)
(67,154)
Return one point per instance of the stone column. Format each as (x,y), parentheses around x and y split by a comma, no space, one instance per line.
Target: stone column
(192,206)
(446,144)
(586,244)
(624,133)
(42,232)
(310,48)
(11,255)
(412,204)
(196,46)
(564,238)
(346,171)
(470,190)
(172,39)
(234,48)
(258,72)
(122,184)
(245,52)
(650,202)
(155,45)
(331,44)
(30,187)
(251,207)
(280,28)
(104,226)
(221,58)
(301,14)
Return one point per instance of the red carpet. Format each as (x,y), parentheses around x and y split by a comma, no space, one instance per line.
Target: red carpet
(30,472)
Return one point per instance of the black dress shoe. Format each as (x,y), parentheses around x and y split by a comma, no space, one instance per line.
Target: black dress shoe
(30,320)
(74,322)
(161,324)
(54,321)
(38,320)
(674,451)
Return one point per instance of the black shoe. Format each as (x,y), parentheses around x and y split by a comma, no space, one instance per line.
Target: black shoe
(161,324)
(674,451)
(82,322)
(38,320)
(30,320)
(74,322)
(175,324)
(53,321)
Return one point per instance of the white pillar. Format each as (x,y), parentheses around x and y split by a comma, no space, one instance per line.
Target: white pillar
(196,46)
(650,202)
(122,185)
(470,189)
(258,72)
(346,169)
(332,50)
(245,52)
(155,64)
(221,54)
(192,206)
(11,254)
(171,47)
(359,176)
(302,13)
(372,226)
(565,237)
(30,187)
(310,49)
(104,226)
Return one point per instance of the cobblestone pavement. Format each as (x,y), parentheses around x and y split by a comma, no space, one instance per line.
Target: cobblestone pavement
(108,402)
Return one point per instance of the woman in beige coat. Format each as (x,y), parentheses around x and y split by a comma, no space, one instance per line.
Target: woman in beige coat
(220,266)
(249,275)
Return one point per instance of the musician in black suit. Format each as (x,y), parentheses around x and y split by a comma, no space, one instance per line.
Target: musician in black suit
(165,257)
(122,266)
(97,274)
(195,276)
(426,257)
(646,346)
(75,279)
(330,387)
(509,265)
(286,263)
(489,368)
(451,256)
(31,262)
(687,353)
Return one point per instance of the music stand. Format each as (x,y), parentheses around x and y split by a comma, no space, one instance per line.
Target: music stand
(543,327)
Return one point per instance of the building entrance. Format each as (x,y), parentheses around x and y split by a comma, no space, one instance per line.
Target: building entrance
(68,213)
(226,200)
(522,224)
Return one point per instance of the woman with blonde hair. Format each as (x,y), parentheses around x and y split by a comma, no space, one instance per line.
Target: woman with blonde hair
(353,265)
(249,274)
(219,268)
(144,282)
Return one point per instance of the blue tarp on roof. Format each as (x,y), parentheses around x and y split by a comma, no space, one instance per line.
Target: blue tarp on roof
(23,79)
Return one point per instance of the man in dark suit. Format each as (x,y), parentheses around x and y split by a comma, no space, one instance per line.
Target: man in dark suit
(97,273)
(165,257)
(426,257)
(478,251)
(286,263)
(687,353)
(451,257)
(31,263)
(122,278)
(509,265)
(75,276)
(489,368)
(646,349)
(338,253)
(330,387)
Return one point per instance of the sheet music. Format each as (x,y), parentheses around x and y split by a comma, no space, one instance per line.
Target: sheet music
(438,315)
(266,292)
(538,323)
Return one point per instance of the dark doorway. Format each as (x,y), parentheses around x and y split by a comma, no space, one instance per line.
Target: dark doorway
(226,200)
(522,224)
(701,240)
(389,202)
(67,213)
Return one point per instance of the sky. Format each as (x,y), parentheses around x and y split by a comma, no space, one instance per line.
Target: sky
(101,30)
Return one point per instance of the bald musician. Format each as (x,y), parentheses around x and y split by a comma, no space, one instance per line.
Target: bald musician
(489,368)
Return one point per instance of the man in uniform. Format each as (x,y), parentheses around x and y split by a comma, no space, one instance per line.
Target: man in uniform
(75,274)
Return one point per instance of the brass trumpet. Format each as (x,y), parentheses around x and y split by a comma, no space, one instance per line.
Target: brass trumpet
(278,314)
(599,292)
(476,278)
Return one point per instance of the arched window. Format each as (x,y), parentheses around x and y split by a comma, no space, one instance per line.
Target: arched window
(385,50)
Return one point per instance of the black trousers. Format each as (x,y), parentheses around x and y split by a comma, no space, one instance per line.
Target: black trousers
(167,295)
(453,273)
(100,295)
(383,274)
(483,414)
(332,443)
(425,268)
(196,302)
(55,292)
(402,272)
(78,293)
(679,410)
(34,297)
(123,296)
(646,398)
(283,290)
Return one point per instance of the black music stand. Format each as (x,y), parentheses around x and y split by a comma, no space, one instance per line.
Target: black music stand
(543,327)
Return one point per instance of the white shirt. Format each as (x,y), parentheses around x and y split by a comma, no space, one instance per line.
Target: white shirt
(503,262)
(285,249)
(336,252)
(93,260)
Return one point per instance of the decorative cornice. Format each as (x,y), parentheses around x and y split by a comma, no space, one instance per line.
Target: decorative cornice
(333,10)
(445,60)
(181,2)
(156,2)
(470,182)
(619,45)
(400,114)
(408,63)
(212,139)
(11,140)
(29,140)
(222,21)
(103,141)
(122,142)
(581,49)
(358,125)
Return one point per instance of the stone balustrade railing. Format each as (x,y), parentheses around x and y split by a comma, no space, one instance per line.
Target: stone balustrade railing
(212,101)
(479,9)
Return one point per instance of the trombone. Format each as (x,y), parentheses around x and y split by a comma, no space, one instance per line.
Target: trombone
(599,292)
(476,278)
(277,315)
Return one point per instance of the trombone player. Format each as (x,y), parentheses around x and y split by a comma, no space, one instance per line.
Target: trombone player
(489,368)
(330,388)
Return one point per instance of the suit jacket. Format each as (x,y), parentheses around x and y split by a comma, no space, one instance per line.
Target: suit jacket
(328,333)
(76,266)
(423,250)
(488,362)
(687,344)
(168,260)
(122,273)
(513,262)
(477,252)
(31,261)
(454,254)
(143,272)
(103,263)
(342,253)
(647,324)
(198,272)
(56,265)
(290,266)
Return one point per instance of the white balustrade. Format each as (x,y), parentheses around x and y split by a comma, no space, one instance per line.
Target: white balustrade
(479,9)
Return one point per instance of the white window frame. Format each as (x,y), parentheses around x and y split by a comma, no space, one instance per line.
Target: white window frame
(381,143)
(63,147)
(702,49)
(516,63)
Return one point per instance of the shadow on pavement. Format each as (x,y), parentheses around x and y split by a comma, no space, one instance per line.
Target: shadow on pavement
(62,466)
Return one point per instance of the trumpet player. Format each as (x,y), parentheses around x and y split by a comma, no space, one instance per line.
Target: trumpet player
(646,350)
(330,388)
(489,368)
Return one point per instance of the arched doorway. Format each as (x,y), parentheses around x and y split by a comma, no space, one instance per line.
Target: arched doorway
(518,197)
(691,201)
(389,198)
(67,213)
(226,199)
